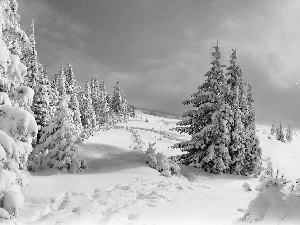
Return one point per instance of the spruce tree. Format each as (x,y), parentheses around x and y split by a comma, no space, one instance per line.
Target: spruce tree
(104,109)
(279,133)
(273,130)
(88,117)
(95,97)
(30,59)
(233,95)
(209,123)
(17,126)
(72,88)
(253,151)
(56,148)
(118,104)
(41,102)
(289,134)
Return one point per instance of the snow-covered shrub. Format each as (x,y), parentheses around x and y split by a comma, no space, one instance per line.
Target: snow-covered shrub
(247,187)
(136,138)
(163,165)
(151,156)
(278,201)
(271,195)
(166,166)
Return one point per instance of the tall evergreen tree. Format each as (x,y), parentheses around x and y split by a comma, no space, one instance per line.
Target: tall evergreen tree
(233,95)
(253,151)
(88,117)
(41,102)
(56,148)
(289,134)
(209,123)
(30,59)
(72,88)
(279,133)
(273,130)
(61,83)
(119,104)
(95,97)
(104,109)
(17,126)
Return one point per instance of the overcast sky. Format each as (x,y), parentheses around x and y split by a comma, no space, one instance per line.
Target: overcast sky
(160,49)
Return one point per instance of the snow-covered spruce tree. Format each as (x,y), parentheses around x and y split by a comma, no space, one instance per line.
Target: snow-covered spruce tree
(131,110)
(104,116)
(273,130)
(279,133)
(41,102)
(235,86)
(209,123)
(88,117)
(253,151)
(30,60)
(17,126)
(72,89)
(289,134)
(244,147)
(118,104)
(56,148)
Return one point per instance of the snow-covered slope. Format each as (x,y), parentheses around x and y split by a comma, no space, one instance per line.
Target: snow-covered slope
(120,188)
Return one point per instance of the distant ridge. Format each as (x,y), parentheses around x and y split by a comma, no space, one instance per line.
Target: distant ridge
(159,113)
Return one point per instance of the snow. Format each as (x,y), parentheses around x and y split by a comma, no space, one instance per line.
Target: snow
(120,188)
(17,69)
(23,94)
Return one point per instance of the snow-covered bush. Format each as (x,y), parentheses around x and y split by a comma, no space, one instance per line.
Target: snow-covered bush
(136,139)
(166,166)
(151,156)
(278,201)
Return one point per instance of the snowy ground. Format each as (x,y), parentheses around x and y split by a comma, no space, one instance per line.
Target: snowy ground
(119,188)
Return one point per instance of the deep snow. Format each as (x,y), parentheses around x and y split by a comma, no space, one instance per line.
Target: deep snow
(120,188)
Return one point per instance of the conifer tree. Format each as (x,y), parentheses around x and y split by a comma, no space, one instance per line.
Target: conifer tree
(56,148)
(61,83)
(279,133)
(118,104)
(17,126)
(235,84)
(41,102)
(72,88)
(95,96)
(209,123)
(88,117)
(273,130)
(30,59)
(104,109)
(289,134)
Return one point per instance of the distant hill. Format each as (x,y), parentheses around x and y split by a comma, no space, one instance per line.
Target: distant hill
(160,113)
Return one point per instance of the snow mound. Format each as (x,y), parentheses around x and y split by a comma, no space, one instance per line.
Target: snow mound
(104,206)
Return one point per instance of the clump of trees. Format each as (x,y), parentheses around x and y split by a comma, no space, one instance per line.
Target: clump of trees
(280,136)
(222,122)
